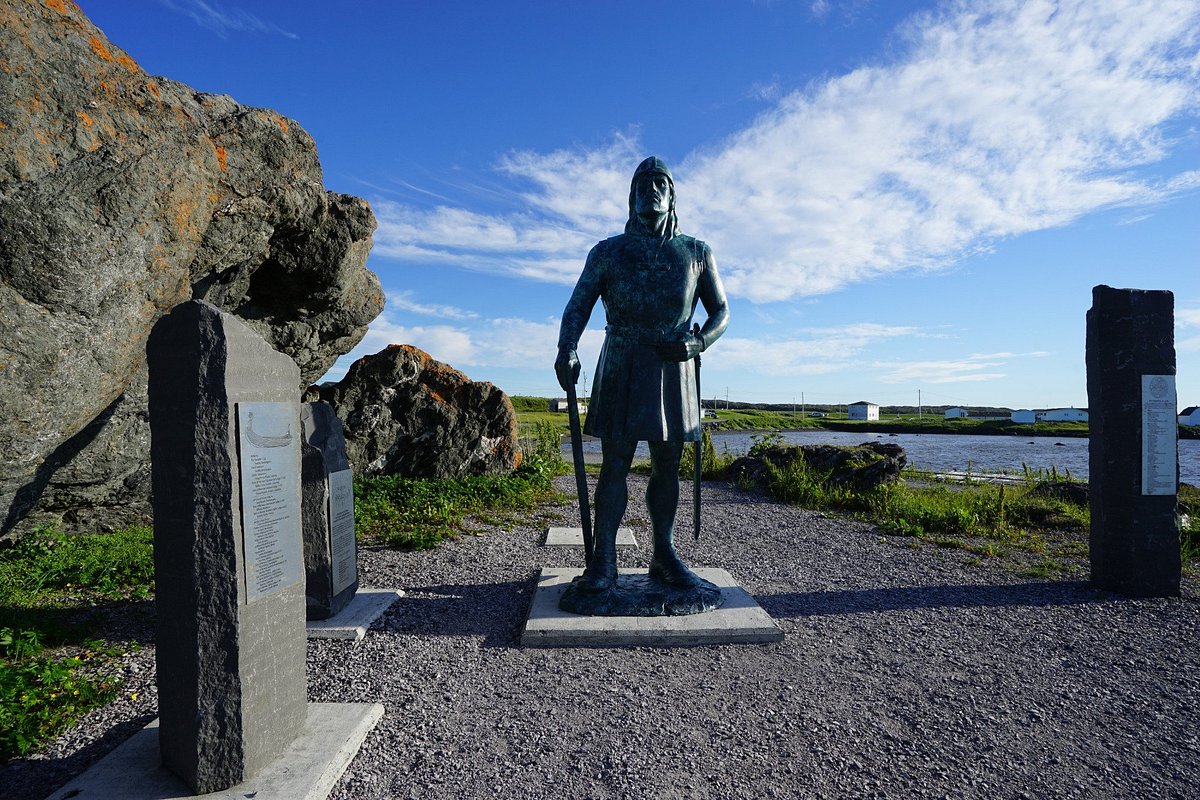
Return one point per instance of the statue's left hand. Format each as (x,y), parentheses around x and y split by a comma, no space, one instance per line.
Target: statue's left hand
(684,349)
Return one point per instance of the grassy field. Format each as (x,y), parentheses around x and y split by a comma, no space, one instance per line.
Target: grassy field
(750,419)
(1039,524)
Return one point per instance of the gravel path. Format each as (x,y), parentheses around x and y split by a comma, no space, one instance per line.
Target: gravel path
(904,673)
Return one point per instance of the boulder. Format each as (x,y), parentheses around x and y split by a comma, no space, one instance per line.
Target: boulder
(406,414)
(122,195)
(859,468)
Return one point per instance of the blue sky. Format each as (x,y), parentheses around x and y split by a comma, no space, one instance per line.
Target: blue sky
(902,197)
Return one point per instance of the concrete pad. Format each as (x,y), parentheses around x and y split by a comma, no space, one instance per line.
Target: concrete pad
(740,620)
(567,537)
(353,621)
(330,739)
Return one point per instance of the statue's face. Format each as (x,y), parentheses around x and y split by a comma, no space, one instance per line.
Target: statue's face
(652,194)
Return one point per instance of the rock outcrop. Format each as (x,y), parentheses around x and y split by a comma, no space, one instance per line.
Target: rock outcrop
(858,468)
(407,414)
(121,195)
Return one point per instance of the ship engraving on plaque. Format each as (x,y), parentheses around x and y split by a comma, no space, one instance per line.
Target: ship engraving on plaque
(269,461)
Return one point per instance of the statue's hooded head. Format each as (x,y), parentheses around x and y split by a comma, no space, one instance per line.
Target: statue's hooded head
(651,166)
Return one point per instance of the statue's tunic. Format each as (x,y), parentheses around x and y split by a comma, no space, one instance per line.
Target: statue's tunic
(650,289)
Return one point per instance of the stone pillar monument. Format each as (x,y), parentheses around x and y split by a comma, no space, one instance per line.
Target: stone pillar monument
(1133,452)
(330,551)
(225,449)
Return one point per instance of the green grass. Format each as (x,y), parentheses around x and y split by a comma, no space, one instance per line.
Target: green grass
(1024,522)
(419,513)
(750,419)
(52,670)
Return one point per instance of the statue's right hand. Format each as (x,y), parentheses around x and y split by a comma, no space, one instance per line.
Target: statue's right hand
(566,367)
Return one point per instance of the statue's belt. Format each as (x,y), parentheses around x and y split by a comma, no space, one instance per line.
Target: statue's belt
(643,336)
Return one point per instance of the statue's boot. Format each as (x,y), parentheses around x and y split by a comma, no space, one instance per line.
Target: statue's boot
(601,574)
(666,567)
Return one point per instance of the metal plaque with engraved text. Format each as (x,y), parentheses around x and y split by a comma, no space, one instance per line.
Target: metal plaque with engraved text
(343,550)
(269,457)
(1160,459)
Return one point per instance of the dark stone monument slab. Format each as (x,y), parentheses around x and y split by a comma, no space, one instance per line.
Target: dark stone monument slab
(330,551)
(225,451)
(1133,458)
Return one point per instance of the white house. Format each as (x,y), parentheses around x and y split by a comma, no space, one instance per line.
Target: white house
(1190,416)
(862,410)
(561,405)
(1063,415)
(957,413)
(1023,417)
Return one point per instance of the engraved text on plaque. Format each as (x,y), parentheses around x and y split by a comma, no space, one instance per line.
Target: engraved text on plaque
(342,550)
(268,445)
(1159,434)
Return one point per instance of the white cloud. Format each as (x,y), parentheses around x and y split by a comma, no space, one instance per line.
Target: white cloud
(1187,318)
(403,301)
(998,119)
(821,351)
(222,20)
(973,368)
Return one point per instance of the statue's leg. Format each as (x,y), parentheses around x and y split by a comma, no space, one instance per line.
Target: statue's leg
(612,495)
(662,499)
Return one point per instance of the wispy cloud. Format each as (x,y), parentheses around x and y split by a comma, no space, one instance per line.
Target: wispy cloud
(999,118)
(974,368)
(1186,318)
(465,339)
(403,301)
(818,351)
(221,20)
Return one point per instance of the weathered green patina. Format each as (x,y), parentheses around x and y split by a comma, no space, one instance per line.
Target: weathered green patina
(650,279)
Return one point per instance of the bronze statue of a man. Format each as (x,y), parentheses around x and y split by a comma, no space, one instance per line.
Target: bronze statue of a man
(650,279)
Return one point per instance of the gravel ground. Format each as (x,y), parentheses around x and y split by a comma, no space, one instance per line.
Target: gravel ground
(904,673)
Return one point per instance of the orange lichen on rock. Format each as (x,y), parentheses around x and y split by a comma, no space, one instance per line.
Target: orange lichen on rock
(87,121)
(418,352)
(222,157)
(57,5)
(152,89)
(99,49)
(128,63)
(282,123)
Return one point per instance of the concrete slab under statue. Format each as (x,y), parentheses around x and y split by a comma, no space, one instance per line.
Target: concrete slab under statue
(738,620)
(573,537)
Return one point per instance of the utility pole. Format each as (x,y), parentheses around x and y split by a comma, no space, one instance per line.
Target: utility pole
(726,398)
(802,405)
(918,405)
